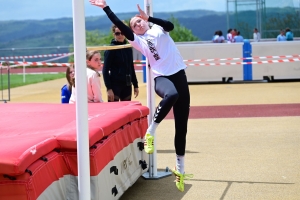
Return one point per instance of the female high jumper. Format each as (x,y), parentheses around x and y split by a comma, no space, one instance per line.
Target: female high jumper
(169,76)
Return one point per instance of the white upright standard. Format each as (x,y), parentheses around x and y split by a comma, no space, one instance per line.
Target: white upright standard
(83,157)
(153,173)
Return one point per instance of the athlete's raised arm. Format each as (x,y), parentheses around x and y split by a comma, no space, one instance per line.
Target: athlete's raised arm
(167,25)
(113,18)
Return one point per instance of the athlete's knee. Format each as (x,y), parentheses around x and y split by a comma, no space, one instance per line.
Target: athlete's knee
(172,97)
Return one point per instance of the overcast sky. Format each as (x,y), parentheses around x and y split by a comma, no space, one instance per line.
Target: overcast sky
(53,9)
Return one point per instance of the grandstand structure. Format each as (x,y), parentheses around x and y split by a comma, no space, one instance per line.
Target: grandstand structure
(268,16)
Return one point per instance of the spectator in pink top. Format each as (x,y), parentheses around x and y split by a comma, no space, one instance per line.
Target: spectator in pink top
(94,95)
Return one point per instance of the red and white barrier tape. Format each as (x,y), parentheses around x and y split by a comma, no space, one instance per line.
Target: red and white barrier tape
(244,63)
(36,56)
(16,63)
(40,64)
(49,55)
(143,61)
(246,58)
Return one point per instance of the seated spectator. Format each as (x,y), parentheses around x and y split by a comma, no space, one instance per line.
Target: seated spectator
(220,38)
(281,36)
(66,90)
(216,35)
(238,37)
(289,34)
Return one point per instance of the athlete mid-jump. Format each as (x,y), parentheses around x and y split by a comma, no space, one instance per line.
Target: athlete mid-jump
(169,76)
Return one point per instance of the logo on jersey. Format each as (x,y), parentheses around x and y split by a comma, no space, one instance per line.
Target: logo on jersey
(153,49)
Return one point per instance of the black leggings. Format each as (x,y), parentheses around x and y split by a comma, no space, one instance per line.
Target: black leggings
(174,92)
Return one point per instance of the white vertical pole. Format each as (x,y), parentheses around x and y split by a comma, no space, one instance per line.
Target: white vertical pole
(227,11)
(81,100)
(150,99)
(24,70)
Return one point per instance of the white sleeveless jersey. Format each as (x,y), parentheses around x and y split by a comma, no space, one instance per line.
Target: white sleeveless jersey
(163,56)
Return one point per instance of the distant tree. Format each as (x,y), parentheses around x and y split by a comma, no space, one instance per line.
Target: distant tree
(94,38)
(282,21)
(181,33)
(245,30)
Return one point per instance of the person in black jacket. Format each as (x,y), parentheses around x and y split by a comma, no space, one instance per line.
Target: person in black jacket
(118,71)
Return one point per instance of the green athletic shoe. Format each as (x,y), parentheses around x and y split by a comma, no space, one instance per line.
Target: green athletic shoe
(180,179)
(148,143)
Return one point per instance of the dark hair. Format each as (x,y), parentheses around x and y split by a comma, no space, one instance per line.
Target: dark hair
(71,81)
(229,30)
(220,33)
(113,26)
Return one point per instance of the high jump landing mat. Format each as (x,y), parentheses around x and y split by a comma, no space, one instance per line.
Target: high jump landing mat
(38,150)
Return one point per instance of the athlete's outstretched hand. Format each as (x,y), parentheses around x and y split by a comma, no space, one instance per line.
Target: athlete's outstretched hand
(142,14)
(99,3)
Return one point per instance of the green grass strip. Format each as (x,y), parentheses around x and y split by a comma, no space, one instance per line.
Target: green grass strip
(16,80)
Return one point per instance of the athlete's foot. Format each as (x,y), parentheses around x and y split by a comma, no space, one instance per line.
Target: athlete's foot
(180,179)
(149,143)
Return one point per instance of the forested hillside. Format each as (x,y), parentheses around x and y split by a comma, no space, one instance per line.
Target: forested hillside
(58,32)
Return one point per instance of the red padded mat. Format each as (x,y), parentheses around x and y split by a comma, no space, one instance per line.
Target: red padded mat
(29,131)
